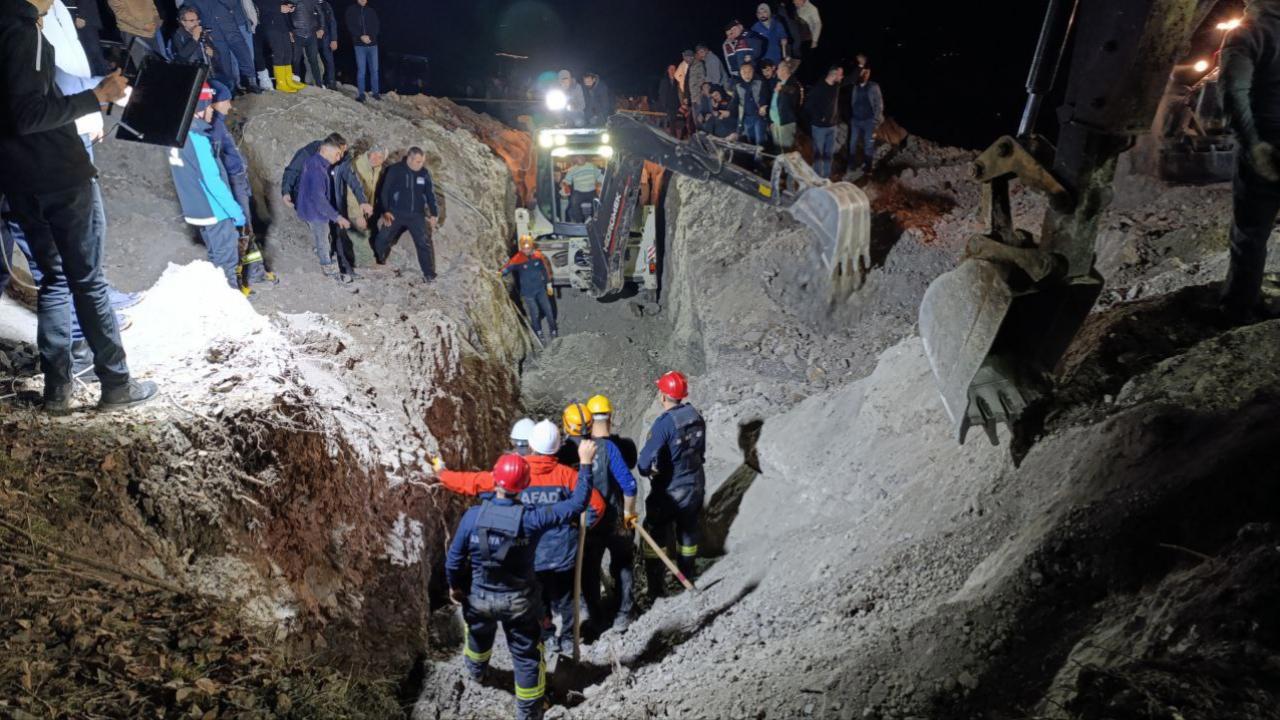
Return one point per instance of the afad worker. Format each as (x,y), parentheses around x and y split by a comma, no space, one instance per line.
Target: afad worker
(491,572)
(557,549)
(611,475)
(672,459)
(533,279)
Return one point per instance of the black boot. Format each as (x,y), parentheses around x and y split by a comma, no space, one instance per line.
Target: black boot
(131,394)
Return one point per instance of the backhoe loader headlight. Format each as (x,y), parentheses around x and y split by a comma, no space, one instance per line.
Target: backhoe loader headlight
(606,151)
(545,139)
(561,140)
(605,138)
(1201,66)
(557,101)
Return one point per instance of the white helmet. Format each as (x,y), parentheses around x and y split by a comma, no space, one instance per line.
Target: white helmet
(521,431)
(545,438)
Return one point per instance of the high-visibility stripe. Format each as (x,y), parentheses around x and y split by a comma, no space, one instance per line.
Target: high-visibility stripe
(538,690)
(253,257)
(689,550)
(472,654)
(649,552)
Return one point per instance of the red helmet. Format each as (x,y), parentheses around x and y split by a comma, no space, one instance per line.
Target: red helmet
(674,385)
(511,473)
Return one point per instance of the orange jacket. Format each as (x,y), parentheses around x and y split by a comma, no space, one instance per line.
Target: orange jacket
(544,470)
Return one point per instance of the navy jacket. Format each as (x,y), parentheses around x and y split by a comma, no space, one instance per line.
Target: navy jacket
(224,146)
(674,454)
(533,273)
(188,49)
(405,192)
(535,521)
(362,21)
(342,177)
(38,141)
(222,17)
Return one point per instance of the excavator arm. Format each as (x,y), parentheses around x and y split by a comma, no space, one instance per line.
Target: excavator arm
(996,327)
(838,213)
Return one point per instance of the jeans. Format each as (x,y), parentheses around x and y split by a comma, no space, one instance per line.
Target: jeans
(367,63)
(557,599)
(754,130)
(58,228)
(681,509)
(824,150)
(320,237)
(222,242)
(864,130)
(621,558)
(417,227)
(1256,204)
(577,200)
(330,69)
(518,613)
(306,49)
(539,307)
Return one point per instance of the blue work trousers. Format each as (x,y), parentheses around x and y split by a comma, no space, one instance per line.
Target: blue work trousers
(538,307)
(519,614)
(222,242)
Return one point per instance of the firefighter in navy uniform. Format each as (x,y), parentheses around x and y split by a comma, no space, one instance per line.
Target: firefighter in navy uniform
(672,459)
(490,573)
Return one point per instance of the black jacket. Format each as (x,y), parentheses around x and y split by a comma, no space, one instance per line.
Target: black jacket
(342,177)
(405,192)
(40,151)
(599,106)
(1251,77)
(788,102)
(188,49)
(362,20)
(86,10)
(823,105)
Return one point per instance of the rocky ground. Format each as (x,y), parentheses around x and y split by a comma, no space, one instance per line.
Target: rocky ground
(1117,559)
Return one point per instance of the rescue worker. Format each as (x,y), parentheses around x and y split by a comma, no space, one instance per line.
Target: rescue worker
(612,478)
(672,459)
(499,540)
(557,550)
(533,279)
(465,483)
(1251,82)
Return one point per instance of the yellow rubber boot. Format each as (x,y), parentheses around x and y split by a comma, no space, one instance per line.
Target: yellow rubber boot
(284,78)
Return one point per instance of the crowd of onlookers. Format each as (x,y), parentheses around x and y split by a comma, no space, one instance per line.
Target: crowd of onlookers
(750,90)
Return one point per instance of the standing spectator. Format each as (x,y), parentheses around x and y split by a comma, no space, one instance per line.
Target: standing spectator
(88,22)
(784,14)
(254,36)
(823,108)
(343,181)
(226,24)
(693,81)
(408,195)
(314,203)
(599,106)
(773,36)
(575,111)
(533,280)
(277,25)
(737,48)
(47,180)
(810,24)
(136,20)
(308,30)
(724,118)
(682,71)
(715,73)
(753,106)
(583,183)
(784,110)
(769,73)
(362,23)
(368,169)
(328,43)
(669,98)
(868,113)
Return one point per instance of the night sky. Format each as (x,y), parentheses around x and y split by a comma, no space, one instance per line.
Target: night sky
(951,71)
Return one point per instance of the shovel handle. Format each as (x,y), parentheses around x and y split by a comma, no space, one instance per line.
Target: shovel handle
(577,587)
(666,560)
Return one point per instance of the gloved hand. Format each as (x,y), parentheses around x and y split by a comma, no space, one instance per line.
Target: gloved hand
(457,596)
(437,463)
(1262,156)
(551,291)
(630,520)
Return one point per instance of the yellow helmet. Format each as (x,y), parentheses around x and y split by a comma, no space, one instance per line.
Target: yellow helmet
(575,419)
(600,405)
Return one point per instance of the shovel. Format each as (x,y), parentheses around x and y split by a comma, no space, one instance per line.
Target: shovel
(577,588)
(666,560)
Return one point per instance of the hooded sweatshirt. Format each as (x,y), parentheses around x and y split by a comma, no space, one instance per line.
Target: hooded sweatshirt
(38,141)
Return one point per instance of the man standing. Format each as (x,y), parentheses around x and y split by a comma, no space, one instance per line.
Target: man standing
(575,111)
(599,106)
(1251,72)
(308,32)
(88,22)
(772,34)
(343,181)
(682,72)
(328,42)
(737,49)
(533,280)
(808,14)
(409,203)
(693,80)
(226,24)
(204,191)
(583,181)
(612,478)
(367,167)
(277,26)
(362,23)
(823,108)
(672,459)
(490,570)
(784,109)
(868,113)
(753,107)
(669,99)
(711,65)
(314,203)
(48,182)
(136,20)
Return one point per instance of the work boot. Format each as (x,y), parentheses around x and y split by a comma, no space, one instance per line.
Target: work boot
(130,395)
(57,400)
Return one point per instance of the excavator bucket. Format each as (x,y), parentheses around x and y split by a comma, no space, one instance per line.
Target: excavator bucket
(840,216)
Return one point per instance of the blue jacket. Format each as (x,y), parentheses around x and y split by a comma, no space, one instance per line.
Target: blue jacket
(225,147)
(674,454)
(313,202)
(535,521)
(293,171)
(201,181)
(611,475)
(223,17)
(770,39)
(533,273)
